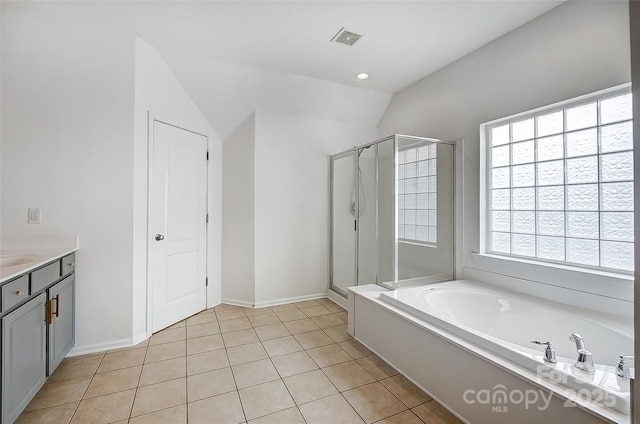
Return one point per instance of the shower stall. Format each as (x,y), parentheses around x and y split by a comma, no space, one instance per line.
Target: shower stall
(392,213)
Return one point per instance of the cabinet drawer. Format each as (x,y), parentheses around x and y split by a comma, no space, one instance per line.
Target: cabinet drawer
(45,276)
(68,264)
(15,292)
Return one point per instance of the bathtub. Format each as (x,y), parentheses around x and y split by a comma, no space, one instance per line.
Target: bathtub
(505,323)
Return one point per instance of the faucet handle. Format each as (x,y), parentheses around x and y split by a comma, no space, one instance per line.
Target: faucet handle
(538,342)
(623,369)
(549,352)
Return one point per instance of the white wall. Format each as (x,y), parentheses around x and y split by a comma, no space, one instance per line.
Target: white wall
(67,138)
(292,201)
(238,215)
(157,91)
(576,48)
(283,170)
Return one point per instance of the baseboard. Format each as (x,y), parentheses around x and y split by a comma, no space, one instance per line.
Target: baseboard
(214,303)
(285,300)
(100,347)
(338,300)
(235,302)
(140,338)
(273,302)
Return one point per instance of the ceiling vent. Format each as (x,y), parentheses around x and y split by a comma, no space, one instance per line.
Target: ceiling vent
(344,36)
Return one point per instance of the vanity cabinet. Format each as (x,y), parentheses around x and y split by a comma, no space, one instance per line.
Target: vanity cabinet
(24,360)
(60,318)
(37,331)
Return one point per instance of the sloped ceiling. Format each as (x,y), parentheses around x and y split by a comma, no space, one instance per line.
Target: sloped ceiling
(227,94)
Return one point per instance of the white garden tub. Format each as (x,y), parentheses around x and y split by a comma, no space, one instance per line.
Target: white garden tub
(505,323)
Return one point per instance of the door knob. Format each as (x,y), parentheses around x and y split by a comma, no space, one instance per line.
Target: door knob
(159,237)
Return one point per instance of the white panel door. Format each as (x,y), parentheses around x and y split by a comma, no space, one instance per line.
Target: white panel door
(177,224)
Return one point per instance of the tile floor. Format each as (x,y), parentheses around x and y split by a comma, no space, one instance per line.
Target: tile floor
(285,364)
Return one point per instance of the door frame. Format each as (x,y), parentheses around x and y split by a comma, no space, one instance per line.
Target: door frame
(153,117)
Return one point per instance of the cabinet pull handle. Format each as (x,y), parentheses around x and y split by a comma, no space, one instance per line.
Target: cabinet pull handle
(19,292)
(71,264)
(57,312)
(48,312)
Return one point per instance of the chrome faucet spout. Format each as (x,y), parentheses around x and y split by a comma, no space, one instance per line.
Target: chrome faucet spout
(578,340)
(584,361)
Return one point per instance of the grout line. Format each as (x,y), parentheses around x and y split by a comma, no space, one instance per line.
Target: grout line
(76,408)
(88,385)
(401,412)
(352,407)
(396,397)
(135,394)
(237,390)
(286,388)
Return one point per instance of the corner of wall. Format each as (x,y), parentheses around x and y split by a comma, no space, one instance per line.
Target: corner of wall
(238,214)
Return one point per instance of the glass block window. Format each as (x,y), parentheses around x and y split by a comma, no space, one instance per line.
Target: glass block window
(417,198)
(560,183)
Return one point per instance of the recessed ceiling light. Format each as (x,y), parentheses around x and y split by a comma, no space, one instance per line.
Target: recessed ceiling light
(362,76)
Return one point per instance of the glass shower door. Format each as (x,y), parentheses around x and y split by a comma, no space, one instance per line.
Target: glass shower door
(343,221)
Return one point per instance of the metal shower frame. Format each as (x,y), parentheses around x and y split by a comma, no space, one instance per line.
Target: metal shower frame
(354,151)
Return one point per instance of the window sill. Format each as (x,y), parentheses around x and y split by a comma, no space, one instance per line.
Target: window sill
(416,243)
(607,274)
(602,283)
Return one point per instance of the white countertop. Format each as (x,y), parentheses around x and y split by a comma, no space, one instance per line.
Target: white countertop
(29,253)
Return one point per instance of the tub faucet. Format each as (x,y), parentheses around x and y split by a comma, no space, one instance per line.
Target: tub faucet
(584,361)
(623,369)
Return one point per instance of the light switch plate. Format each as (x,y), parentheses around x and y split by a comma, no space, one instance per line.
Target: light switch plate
(35,216)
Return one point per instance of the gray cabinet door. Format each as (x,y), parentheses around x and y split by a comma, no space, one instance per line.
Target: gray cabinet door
(24,361)
(61,334)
